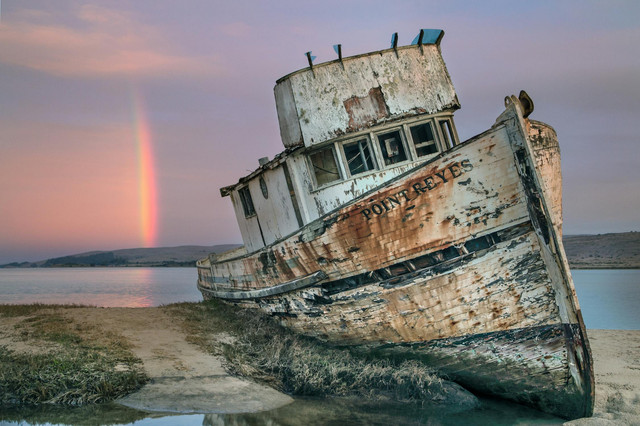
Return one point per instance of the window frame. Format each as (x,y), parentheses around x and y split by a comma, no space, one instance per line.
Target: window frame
(248,207)
(367,138)
(450,135)
(436,138)
(312,167)
(403,140)
(373,142)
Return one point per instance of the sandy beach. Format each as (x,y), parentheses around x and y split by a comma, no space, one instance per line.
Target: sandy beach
(178,367)
(616,355)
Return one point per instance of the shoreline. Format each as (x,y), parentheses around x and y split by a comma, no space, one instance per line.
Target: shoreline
(176,365)
(11,267)
(604,267)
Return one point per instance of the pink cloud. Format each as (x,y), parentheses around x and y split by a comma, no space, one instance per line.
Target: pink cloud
(101,42)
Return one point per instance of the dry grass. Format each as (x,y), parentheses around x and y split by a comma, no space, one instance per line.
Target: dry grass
(263,350)
(25,310)
(78,364)
(74,364)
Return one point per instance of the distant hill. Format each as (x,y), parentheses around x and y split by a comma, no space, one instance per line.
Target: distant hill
(160,256)
(603,251)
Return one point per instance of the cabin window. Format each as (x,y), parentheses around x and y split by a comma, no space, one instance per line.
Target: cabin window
(358,155)
(325,167)
(424,139)
(447,134)
(392,148)
(247,202)
(263,188)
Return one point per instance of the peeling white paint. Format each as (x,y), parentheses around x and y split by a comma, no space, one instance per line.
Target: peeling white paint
(414,82)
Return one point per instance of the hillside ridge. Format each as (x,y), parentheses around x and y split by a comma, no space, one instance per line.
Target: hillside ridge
(601,251)
(143,257)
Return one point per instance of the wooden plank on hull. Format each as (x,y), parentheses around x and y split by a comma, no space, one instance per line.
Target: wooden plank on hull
(297,284)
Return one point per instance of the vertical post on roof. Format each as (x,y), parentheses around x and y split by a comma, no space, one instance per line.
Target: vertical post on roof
(338,49)
(420,41)
(394,43)
(310,59)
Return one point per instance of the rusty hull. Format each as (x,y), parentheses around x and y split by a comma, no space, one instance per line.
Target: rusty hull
(457,262)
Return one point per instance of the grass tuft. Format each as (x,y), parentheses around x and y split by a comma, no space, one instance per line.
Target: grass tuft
(70,377)
(264,350)
(74,364)
(29,309)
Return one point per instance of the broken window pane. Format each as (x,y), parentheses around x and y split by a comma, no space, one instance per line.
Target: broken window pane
(447,133)
(391,147)
(247,202)
(324,166)
(424,139)
(359,157)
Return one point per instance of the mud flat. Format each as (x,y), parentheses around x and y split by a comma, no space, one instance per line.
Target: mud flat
(178,368)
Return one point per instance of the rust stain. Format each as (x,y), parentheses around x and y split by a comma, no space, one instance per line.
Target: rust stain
(367,110)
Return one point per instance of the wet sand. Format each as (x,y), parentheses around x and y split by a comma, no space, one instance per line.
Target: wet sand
(616,358)
(185,379)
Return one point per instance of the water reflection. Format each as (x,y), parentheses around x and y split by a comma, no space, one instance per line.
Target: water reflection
(89,414)
(143,277)
(353,412)
(104,287)
(304,411)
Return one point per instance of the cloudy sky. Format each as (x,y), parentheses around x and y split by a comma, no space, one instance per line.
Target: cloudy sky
(119,120)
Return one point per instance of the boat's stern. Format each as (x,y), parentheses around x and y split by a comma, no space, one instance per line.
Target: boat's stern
(205,279)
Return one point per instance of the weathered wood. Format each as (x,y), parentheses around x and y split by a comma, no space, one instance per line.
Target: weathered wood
(544,142)
(455,260)
(380,86)
(474,187)
(528,365)
(287,287)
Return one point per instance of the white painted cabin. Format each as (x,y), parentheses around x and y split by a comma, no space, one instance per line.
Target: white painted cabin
(347,127)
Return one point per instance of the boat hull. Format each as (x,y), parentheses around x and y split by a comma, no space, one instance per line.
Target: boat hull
(457,262)
(528,366)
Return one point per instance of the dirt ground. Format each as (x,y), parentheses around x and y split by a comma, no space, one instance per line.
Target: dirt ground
(179,368)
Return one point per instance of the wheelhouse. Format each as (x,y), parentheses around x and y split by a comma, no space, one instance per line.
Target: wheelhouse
(347,127)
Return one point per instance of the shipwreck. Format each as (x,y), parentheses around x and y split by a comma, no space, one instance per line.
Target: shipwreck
(377,228)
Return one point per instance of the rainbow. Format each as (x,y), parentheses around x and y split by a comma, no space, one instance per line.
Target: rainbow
(147,192)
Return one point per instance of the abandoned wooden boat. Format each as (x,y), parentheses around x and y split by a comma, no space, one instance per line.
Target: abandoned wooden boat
(377,228)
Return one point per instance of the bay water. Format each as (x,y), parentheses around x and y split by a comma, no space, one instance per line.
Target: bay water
(104,287)
(608,299)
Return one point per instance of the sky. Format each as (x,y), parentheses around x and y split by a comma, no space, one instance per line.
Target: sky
(120,120)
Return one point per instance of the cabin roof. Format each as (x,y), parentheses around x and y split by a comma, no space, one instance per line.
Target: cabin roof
(435,39)
(288,116)
(271,164)
(335,98)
